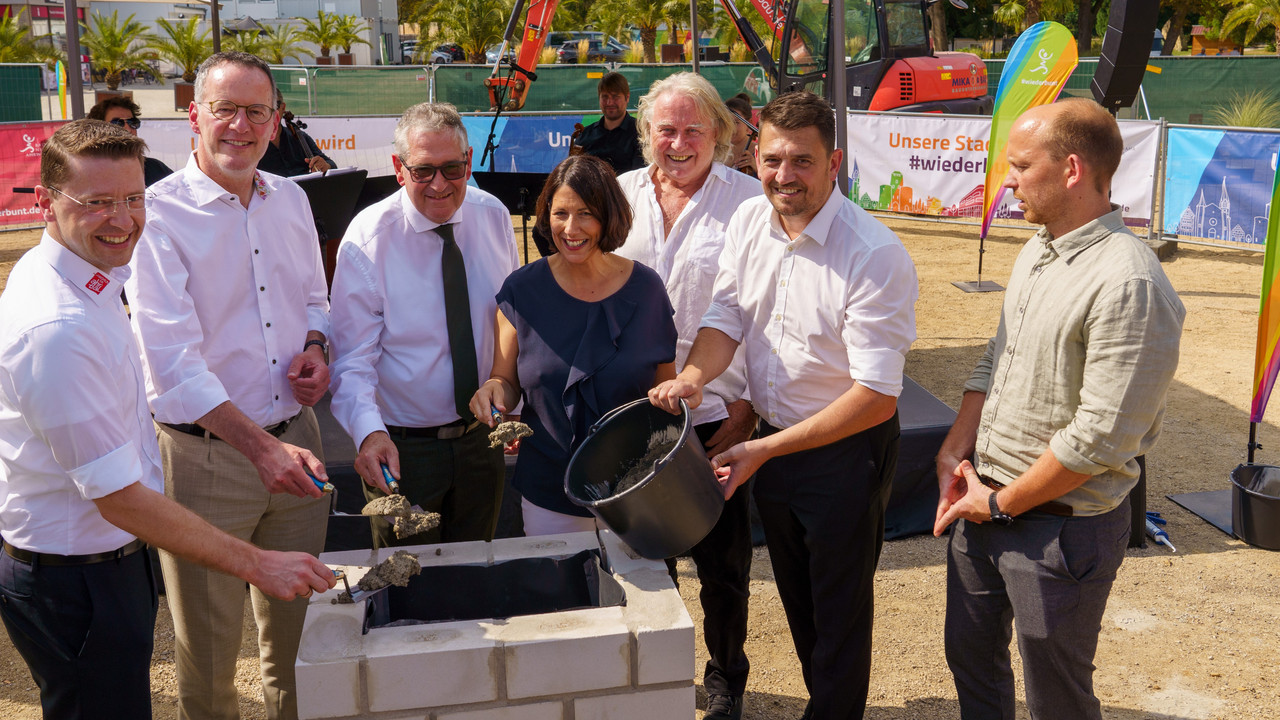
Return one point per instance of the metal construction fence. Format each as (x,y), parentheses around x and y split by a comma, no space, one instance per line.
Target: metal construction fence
(1183,89)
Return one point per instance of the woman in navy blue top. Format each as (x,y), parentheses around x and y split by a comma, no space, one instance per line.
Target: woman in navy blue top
(579,333)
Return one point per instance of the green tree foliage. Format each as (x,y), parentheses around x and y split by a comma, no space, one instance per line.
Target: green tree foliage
(322,32)
(117,46)
(183,44)
(350,32)
(473,24)
(1255,16)
(280,43)
(15,41)
(246,41)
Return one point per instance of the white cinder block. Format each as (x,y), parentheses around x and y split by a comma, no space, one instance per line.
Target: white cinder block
(566,652)
(534,711)
(328,689)
(669,704)
(665,655)
(543,546)
(429,666)
(331,632)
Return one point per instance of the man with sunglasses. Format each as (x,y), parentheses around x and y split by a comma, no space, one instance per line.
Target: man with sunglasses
(413,328)
(230,306)
(123,112)
(80,476)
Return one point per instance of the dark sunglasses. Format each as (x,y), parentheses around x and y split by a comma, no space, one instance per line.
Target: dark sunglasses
(134,123)
(426,173)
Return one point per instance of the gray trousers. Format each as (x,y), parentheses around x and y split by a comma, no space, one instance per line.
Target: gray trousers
(1054,575)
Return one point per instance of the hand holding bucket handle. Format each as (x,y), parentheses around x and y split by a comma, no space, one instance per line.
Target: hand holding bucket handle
(676,396)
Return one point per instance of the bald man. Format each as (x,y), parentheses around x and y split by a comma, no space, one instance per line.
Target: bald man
(1037,469)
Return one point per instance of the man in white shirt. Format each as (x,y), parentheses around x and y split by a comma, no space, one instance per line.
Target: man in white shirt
(821,298)
(413,317)
(681,204)
(80,476)
(230,307)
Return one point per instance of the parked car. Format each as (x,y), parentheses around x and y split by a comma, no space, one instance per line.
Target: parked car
(407,50)
(448,53)
(597,51)
(556,39)
(491,53)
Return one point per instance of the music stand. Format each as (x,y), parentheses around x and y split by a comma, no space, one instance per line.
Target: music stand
(519,192)
(376,189)
(332,197)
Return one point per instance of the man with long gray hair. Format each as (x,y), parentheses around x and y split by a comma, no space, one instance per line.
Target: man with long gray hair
(414,311)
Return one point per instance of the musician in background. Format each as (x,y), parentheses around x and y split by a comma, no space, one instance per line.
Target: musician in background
(614,137)
(292,151)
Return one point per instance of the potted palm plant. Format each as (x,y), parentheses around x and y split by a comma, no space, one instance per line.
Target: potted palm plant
(186,46)
(350,29)
(281,43)
(114,47)
(323,32)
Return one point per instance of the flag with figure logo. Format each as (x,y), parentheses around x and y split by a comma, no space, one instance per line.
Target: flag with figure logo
(1037,68)
(1266,363)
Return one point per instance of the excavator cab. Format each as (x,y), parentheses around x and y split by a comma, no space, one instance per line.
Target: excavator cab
(889,63)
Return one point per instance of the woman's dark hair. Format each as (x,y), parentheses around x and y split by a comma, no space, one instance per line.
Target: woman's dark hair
(592,179)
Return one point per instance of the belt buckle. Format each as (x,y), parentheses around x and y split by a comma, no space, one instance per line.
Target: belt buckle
(451,432)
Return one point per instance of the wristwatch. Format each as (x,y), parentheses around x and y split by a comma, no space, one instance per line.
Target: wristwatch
(998,516)
(324,348)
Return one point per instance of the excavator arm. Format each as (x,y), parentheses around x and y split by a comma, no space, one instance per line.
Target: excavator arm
(509,89)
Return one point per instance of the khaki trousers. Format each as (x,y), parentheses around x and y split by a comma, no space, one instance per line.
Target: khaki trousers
(220,485)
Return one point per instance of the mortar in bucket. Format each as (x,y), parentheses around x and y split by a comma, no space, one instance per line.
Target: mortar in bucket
(1255,505)
(643,473)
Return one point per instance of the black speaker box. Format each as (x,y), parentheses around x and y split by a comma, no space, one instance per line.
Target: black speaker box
(1125,49)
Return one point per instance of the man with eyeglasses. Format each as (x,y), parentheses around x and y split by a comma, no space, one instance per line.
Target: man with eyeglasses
(80,476)
(123,112)
(230,306)
(413,322)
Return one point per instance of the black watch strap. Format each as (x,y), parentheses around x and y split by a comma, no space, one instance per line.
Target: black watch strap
(324,348)
(998,516)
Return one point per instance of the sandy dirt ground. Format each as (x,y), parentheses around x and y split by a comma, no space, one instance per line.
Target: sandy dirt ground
(1186,636)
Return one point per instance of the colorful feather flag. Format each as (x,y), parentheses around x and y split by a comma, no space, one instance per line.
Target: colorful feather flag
(1266,364)
(61,72)
(1038,66)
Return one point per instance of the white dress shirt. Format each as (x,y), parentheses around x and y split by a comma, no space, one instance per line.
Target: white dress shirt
(816,314)
(223,296)
(687,260)
(392,364)
(74,424)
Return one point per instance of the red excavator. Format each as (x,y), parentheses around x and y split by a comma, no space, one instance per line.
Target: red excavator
(890,61)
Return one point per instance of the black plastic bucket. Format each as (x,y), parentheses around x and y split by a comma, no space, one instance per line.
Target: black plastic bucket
(676,502)
(1255,505)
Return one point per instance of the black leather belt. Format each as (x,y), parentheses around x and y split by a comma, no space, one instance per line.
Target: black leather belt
(276,430)
(36,558)
(1053,507)
(452,431)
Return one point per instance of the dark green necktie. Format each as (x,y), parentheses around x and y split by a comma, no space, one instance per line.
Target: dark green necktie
(457,314)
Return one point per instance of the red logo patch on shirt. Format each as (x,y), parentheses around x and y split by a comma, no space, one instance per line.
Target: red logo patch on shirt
(97,283)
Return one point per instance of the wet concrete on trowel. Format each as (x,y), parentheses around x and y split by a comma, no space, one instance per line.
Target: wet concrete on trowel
(505,432)
(395,570)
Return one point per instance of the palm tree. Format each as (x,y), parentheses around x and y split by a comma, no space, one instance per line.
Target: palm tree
(182,44)
(245,41)
(349,32)
(323,31)
(645,15)
(280,43)
(117,46)
(15,42)
(1254,15)
(473,24)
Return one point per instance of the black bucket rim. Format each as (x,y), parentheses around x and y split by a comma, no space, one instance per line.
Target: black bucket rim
(686,428)
(1254,493)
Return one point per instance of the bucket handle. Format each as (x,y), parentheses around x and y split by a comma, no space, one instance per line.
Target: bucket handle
(684,410)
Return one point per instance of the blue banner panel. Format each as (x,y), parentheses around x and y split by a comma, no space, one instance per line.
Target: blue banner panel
(1218,184)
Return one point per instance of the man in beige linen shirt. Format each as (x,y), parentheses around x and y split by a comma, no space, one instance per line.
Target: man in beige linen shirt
(1069,392)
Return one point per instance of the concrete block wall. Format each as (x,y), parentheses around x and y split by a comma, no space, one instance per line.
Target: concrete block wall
(634,661)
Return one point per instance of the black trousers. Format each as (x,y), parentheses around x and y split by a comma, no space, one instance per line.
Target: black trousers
(823,516)
(723,559)
(462,479)
(86,633)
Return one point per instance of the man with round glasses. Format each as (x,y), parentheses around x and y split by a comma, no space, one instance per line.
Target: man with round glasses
(122,111)
(413,322)
(230,306)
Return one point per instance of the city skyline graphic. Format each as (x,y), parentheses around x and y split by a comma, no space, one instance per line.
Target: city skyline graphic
(1214,221)
(898,196)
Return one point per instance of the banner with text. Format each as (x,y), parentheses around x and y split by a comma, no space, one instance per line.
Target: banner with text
(926,165)
(20,145)
(1217,184)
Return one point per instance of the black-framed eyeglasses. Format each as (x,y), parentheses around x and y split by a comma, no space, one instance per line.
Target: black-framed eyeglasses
(226,110)
(426,173)
(134,123)
(107,207)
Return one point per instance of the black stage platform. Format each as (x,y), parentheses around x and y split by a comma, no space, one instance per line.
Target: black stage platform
(924,418)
